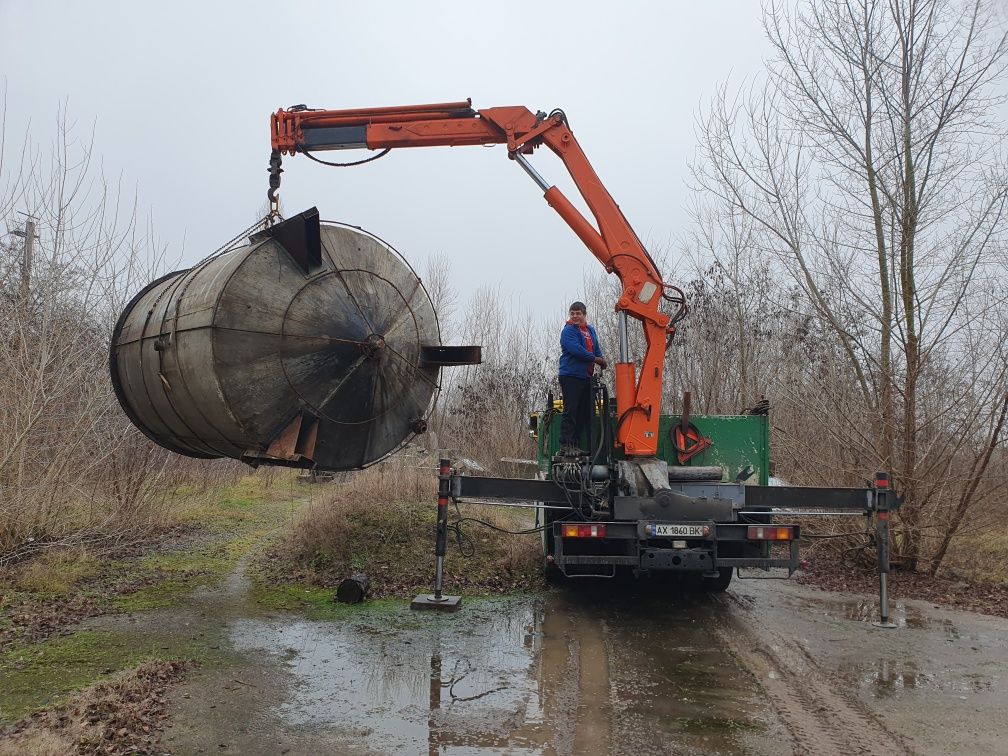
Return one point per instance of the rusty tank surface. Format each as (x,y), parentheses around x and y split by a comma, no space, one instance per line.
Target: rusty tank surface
(312,345)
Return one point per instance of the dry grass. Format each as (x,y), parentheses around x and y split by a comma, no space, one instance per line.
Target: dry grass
(57,572)
(59,527)
(37,743)
(382,521)
(979,558)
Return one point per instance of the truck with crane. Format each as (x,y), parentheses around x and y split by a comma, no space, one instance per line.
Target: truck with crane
(654,493)
(643,499)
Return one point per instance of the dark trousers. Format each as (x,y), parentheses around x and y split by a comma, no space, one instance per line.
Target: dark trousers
(577,402)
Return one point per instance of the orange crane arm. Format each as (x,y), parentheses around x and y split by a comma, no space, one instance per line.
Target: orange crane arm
(612,241)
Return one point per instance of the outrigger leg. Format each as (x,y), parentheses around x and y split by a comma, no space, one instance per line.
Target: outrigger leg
(882,510)
(437,601)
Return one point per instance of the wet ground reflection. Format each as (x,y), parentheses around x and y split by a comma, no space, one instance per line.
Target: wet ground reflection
(901,667)
(866,609)
(395,679)
(886,677)
(578,670)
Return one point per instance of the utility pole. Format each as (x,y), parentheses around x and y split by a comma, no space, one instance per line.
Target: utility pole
(27,256)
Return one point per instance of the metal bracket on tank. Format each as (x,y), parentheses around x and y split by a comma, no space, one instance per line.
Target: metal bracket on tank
(447,356)
(301,238)
(294,446)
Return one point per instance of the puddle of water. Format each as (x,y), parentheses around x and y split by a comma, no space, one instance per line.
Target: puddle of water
(395,684)
(886,678)
(911,668)
(675,687)
(570,670)
(676,680)
(867,610)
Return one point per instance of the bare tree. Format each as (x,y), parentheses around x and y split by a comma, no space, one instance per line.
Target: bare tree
(484,408)
(73,471)
(869,162)
(443,293)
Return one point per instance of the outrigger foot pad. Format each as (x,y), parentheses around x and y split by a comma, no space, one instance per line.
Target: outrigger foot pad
(428,602)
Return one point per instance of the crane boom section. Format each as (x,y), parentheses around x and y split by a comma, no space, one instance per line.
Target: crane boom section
(612,240)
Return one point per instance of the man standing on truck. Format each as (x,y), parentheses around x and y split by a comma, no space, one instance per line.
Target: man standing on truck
(580,354)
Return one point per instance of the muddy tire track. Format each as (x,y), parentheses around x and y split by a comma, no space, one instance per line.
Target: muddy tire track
(594,713)
(821,718)
(560,662)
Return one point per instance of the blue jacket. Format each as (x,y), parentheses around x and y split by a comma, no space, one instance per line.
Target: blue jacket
(576,358)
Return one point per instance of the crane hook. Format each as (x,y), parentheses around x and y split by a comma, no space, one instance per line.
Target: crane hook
(274,181)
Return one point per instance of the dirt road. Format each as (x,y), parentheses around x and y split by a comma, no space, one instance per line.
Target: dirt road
(767,668)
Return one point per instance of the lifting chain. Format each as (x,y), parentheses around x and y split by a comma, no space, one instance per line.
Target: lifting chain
(274,176)
(274,185)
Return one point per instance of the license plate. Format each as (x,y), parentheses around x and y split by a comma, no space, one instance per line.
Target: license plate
(665,530)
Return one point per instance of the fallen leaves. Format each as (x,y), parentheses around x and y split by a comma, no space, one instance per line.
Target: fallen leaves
(34,619)
(124,715)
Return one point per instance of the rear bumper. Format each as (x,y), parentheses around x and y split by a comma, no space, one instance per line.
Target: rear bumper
(626,545)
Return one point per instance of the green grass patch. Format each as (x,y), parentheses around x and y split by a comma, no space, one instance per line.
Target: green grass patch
(182,571)
(232,520)
(236,520)
(165,593)
(44,674)
(213,556)
(315,602)
(293,597)
(252,499)
(57,572)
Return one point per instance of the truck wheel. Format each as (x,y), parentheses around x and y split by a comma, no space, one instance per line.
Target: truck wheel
(721,582)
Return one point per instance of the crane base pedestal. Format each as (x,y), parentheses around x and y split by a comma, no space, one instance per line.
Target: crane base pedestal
(428,602)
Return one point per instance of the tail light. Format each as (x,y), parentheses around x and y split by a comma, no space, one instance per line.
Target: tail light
(579,530)
(770,533)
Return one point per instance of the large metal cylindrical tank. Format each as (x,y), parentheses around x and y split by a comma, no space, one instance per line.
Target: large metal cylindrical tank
(304,347)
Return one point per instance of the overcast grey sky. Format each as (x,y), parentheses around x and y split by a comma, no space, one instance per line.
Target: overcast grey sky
(179,94)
